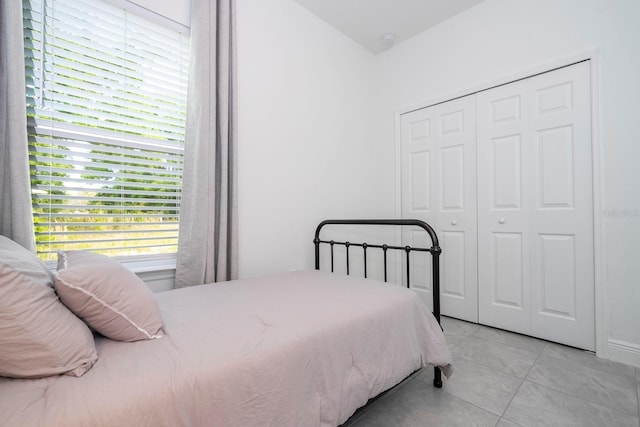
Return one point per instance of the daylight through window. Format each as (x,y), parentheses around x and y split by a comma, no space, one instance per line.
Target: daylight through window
(106,107)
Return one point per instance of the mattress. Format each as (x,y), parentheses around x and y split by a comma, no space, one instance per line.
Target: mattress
(293,349)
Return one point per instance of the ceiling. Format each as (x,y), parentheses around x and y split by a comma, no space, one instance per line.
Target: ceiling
(367,21)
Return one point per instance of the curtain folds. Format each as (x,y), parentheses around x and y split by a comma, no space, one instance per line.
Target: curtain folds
(16,219)
(208,239)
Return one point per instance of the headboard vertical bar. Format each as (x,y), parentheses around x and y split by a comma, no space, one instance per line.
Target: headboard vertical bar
(332,244)
(407,249)
(316,243)
(384,251)
(347,246)
(364,249)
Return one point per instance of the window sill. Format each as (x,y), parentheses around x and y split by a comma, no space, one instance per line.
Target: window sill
(158,274)
(150,265)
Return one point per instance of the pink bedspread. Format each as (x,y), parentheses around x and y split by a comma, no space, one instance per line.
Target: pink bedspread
(296,349)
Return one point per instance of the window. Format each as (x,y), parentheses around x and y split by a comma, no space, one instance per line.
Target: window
(106,107)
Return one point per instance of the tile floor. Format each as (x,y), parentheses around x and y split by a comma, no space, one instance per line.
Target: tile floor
(508,380)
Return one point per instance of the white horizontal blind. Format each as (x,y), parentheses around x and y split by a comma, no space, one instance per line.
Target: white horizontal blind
(106,106)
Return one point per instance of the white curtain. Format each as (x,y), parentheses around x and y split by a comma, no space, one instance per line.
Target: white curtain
(16,221)
(208,242)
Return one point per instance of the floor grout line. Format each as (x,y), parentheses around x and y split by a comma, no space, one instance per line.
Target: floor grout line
(589,368)
(453,396)
(522,382)
(543,341)
(551,387)
(522,379)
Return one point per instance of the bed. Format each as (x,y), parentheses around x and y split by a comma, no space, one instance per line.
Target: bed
(303,348)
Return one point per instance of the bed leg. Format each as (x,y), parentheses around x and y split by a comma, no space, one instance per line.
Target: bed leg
(437,379)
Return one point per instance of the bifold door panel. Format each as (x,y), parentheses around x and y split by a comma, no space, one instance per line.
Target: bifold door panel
(438,181)
(562,262)
(504,209)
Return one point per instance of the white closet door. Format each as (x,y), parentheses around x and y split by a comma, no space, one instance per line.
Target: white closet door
(503,208)
(418,146)
(456,213)
(438,186)
(535,215)
(562,256)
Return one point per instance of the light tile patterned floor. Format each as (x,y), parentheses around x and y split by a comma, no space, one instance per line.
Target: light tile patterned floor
(508,380)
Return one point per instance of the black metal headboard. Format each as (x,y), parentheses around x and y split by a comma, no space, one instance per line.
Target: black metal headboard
(435,251)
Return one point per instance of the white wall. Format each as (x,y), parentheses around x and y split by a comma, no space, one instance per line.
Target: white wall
(307,146)
(502,38)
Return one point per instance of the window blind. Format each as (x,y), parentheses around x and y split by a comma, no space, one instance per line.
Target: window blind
(106,108)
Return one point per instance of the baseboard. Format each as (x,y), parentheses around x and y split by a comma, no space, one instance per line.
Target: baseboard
(624,352)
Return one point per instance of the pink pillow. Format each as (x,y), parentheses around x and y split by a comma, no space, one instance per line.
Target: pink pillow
(39,336)
(107,296)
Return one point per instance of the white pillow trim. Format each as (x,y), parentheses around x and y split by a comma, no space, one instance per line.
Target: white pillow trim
(105,304)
